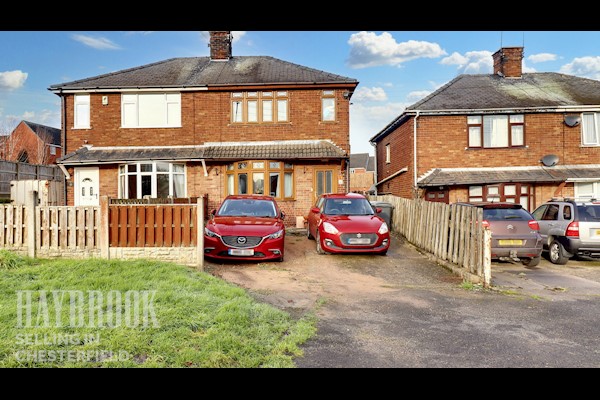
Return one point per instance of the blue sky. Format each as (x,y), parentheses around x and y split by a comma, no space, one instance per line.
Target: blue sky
(395,69)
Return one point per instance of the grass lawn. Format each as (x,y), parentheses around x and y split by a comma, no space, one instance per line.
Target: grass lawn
(201,321)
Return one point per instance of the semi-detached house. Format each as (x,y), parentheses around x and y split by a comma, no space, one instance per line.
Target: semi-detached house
(215,125)
(507,136)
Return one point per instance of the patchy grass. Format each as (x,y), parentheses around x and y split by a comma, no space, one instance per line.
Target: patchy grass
(470,286)
(201,321)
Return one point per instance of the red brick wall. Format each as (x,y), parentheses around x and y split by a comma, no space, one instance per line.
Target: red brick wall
(206,117)
(401,151)
(24,139)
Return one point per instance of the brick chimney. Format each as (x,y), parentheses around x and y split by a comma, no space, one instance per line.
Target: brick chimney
(220,45)
(508,62)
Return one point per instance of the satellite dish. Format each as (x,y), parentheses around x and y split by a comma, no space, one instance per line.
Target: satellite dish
(572,120)
(550,160)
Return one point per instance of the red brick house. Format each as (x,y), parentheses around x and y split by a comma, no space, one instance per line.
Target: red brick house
(32,143)
(362,172)
(486,137)
(214,125)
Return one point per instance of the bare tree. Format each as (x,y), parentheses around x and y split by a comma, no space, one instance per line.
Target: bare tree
(19,147)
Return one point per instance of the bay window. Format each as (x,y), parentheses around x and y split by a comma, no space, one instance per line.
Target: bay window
(496,131)
(154,178)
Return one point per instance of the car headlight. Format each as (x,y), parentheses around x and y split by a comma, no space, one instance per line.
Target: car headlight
(210,233)
(383,229)
(275,235)
(329,228)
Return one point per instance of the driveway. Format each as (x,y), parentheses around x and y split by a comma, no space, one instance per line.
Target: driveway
(402,310)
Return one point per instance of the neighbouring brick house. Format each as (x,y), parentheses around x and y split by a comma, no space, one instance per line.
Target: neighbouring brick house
(483,137)
(214,125)
(362,172)
(32,143)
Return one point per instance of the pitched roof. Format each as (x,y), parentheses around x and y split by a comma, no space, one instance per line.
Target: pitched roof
(371,164)
(359,160)
(201,71)
(474,176)
(545,89)
(38,129)
(223,151)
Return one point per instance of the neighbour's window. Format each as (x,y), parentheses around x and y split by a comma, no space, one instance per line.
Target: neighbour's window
(151,110)
(82,111)
(328,105)
(590,129)
(496,131)
(259,107)
(52,150)
(153,178)
(388,155)
(270,178)
(520,193)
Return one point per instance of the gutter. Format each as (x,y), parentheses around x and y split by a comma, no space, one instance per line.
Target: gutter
(415,150)
(376,166)
(64,170)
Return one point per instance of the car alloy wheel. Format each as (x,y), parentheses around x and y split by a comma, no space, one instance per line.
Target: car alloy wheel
(556,253)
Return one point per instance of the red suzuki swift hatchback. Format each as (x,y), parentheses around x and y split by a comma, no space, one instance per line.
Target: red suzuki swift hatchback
(246,227)
(347,223)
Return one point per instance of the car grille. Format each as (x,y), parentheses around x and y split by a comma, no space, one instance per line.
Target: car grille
(242,242)
(345,237)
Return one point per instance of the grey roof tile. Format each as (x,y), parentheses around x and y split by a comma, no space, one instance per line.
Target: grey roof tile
(201,71)
(40,129)
(359,160)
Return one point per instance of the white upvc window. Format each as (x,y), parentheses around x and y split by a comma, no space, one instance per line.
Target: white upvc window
(156,179)
(52,150)
(151,110)
(81,113)
(590,129)
(388,154)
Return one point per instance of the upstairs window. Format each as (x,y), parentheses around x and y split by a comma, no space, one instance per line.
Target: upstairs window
(259,107)
(388,154)
(590,129)
(496,131)
(151,110)
(82,111)
(328,105)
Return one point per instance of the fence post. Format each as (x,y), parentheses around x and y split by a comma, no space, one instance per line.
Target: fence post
(487,257)
(31,203)
(103,234)
(200,233)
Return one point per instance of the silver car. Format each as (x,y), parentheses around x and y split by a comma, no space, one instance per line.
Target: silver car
(568,228)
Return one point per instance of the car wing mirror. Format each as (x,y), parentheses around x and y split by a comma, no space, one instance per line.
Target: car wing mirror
(315,210)
(213,212)
(378,210)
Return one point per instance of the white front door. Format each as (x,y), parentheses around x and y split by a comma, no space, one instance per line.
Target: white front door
(86,186)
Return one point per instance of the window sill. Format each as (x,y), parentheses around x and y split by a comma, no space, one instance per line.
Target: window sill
(589,145)
(81,128)
(151,127)
(496,148)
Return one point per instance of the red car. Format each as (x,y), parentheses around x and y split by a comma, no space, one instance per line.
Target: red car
(246,227)
(347,223)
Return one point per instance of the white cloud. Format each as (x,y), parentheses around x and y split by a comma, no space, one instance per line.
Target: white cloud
(472,62)
(98,43)
(388,84)
(28,115)
(527,69)
(542,57)
(588,67)
(367,121)
(144,33)
(369,94)
(44,117)
(237,35)
(417,95)
(10,80)
(369,49)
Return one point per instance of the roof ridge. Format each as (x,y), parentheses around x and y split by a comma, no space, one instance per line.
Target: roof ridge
(309,68)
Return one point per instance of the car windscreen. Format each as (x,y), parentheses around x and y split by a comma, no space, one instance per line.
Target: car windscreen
(247,208)
(347,207)
(589,213)
(503,214)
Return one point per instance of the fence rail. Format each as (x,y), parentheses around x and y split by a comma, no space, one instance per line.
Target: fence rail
(13,232)
(451,233)
(152,225)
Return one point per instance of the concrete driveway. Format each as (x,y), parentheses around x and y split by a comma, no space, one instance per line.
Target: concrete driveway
(402,310)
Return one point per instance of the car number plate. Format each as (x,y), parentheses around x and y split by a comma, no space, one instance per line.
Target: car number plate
(241,252)
(359,241)
(510,242)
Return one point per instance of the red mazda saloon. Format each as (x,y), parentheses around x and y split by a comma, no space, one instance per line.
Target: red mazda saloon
(246,227)
(347,223)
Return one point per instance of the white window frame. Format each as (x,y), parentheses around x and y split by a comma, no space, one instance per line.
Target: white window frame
(52,150)
(328,95)
(595,190)
(596,129)
(81,100)
(388,154)
(124,191)
(135,101)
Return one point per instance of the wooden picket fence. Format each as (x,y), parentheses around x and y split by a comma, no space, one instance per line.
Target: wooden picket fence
(67,227)
(152,225)
(13,232)
(453,234)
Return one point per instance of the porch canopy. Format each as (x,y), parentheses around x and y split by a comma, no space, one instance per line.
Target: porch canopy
(473,176)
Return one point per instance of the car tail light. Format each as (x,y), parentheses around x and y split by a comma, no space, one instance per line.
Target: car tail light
(573,229)
(533,224)
(485,223)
